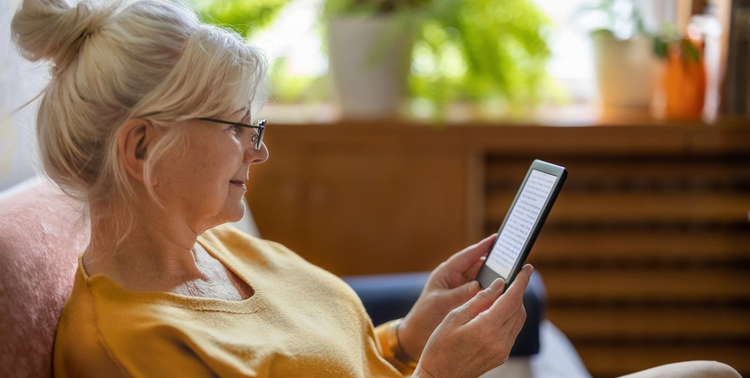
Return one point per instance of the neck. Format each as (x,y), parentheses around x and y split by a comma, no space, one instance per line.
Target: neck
(148,251)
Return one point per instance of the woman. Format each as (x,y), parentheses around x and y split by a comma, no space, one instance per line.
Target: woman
(149,121)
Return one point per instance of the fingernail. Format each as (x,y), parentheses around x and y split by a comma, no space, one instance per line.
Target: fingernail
(474,286)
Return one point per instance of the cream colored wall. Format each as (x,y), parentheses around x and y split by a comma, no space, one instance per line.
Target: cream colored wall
(20,80)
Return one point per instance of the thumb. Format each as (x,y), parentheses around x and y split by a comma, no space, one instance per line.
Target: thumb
(482,301)
(463,293)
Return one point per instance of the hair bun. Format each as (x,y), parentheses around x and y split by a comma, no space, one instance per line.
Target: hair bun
(53,30)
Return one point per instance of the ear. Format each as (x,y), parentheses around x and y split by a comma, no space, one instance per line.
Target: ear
(134,141)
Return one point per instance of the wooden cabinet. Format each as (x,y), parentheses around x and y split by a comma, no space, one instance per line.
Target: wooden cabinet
(363,200)
(646,255)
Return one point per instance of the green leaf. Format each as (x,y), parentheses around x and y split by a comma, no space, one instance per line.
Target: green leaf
(690,50)
(243,16)
(661,48)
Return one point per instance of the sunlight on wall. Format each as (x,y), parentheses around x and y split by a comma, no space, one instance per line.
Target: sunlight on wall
(296,37)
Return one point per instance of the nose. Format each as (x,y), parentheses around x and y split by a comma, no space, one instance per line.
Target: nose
(254,156)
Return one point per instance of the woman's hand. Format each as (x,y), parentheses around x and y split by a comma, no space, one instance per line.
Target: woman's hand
(450,285)
(477,336)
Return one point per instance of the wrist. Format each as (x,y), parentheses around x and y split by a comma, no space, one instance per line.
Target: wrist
(406,340)
(404,354)
(392,349)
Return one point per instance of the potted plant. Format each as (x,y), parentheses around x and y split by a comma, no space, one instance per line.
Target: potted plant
(369,45)
(683,82)
(465,51)
(626,68)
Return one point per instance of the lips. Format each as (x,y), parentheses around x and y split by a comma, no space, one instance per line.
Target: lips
(240,183)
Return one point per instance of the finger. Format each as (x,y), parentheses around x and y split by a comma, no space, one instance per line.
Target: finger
(463,259)
(482,301)
(513,297)
(511,327)
(463,293)
(520,319)
(457,265)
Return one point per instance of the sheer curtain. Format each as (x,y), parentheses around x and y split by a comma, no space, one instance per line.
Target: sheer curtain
(20,81)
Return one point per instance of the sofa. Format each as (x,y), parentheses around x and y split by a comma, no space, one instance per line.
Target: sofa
(41,238)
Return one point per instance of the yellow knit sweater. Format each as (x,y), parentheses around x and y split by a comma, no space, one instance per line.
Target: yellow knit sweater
(301,322)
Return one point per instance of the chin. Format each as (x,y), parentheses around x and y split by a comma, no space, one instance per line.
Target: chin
(236,212)
(231,211)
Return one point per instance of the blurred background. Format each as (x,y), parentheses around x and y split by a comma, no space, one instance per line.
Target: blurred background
(399,132)
(440,61)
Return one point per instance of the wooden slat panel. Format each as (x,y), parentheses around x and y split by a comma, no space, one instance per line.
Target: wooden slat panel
(542,142)
(650,245)
(616,216)
(608,171)
(609,361)
(639,285)
(652,323)
(635,208)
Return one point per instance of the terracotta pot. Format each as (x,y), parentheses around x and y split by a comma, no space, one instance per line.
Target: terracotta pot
(684,86)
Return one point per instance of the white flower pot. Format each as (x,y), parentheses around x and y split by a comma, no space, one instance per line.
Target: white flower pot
(626,71)
(369,85)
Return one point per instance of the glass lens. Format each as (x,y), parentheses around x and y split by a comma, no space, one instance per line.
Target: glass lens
(261,130)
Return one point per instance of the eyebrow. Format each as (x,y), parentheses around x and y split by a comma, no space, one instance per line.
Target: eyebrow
(245,115)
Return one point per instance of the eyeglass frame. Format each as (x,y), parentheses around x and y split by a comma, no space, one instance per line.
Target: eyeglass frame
(260,126)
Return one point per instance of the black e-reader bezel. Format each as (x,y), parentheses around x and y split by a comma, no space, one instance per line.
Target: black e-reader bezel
(486,275)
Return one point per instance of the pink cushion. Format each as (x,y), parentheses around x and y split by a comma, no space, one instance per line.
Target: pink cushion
(39,246)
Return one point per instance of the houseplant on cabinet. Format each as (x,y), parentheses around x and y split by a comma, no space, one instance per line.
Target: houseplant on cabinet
(626,68)
(683,81)
(467,51)
(368,55)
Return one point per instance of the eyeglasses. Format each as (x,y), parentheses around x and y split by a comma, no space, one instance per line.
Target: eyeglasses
(259,125)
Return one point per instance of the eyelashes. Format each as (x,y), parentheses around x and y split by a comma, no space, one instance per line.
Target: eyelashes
(237,129)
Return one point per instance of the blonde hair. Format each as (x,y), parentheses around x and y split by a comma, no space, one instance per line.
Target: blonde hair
(114,62)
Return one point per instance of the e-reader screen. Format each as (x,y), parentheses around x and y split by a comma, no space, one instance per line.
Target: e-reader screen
(523,222)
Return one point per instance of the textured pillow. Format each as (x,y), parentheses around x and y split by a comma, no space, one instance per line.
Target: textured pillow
(39,245)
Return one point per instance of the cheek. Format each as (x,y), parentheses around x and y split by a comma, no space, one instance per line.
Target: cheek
(179,175)
(214,168)
(206,167)
(211,160)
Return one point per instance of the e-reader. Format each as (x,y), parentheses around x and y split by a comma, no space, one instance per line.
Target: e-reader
(522,223)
